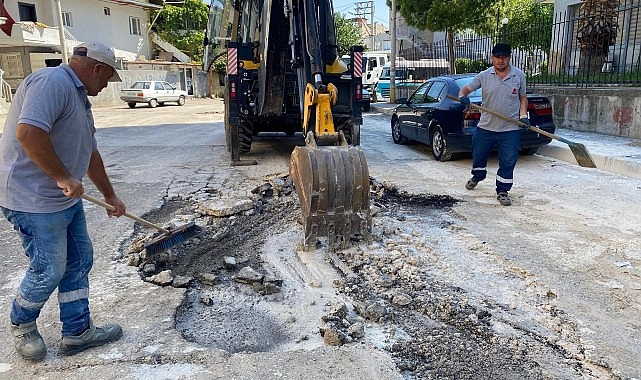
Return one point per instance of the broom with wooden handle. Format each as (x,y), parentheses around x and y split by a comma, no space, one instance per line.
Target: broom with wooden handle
(170,236)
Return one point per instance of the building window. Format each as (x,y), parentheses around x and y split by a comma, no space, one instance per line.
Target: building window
(107,11)
(134,26)
(66,19)
(27,12)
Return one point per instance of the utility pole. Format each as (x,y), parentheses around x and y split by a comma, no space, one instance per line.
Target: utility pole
(371,19)
(361,10)
(61,33)
(392,65)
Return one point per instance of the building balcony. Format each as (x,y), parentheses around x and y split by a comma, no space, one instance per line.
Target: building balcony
(26,33)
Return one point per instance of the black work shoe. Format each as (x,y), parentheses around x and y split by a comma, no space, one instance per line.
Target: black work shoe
(504,199)
(28,341)
(92,337)
(471,184)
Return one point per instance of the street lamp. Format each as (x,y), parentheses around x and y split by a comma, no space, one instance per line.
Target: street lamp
(504,22)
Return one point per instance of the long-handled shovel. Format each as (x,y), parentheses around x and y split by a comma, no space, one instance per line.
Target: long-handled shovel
(580,152)
(170,236)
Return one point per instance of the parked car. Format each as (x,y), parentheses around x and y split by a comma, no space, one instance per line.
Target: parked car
(429,117)
(366,99)
(153,93)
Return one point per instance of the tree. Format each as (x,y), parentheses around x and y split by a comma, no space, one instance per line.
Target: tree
(183,26)
(347,34)
(529,28)
(455,16)
(597,30)
(450,16)
(529,23)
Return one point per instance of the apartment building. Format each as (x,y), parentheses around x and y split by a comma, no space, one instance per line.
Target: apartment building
(30,38)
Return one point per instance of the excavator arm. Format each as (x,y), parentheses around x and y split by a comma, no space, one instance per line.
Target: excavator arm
(331,177)
(284,75)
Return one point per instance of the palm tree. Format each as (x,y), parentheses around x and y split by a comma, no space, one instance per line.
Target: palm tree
(597,30)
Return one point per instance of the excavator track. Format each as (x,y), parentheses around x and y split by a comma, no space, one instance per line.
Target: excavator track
(333,187)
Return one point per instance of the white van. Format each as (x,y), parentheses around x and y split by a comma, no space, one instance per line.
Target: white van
(373,62)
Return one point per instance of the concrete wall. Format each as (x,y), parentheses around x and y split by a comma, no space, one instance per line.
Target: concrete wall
(615,111)
(111,95)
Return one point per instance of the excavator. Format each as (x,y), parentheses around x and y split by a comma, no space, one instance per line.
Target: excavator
(284,74)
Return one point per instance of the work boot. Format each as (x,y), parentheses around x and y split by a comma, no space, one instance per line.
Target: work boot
(504,199)
(471,184)
(92,337)
(28,341)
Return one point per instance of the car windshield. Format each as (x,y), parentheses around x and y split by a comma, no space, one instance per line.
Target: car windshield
(462,82)
(400,73)
(140,85)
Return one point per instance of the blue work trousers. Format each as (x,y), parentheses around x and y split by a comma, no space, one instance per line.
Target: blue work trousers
(483,142)
(60,256)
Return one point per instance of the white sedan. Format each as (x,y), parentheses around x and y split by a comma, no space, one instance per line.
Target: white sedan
(153,93)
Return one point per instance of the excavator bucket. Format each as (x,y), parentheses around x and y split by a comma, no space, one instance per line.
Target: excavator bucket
(333,187)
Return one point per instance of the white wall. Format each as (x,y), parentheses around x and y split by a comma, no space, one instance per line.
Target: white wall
(91,24)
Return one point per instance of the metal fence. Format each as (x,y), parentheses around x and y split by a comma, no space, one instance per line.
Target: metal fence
(560,52)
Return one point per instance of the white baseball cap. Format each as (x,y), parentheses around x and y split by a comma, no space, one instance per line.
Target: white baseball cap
(100,53)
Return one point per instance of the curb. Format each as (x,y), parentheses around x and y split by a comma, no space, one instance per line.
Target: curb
(617,165)
(386,110)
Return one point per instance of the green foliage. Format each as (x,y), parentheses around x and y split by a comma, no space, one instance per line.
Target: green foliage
(465,65)
(220,65)
(438,15)
(529,24)
(347,34)
(183,26)
(543,67)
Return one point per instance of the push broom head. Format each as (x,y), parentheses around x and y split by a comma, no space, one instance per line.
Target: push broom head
(176,235)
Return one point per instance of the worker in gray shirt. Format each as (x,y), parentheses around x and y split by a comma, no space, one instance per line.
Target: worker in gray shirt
(504,92)
(47,147)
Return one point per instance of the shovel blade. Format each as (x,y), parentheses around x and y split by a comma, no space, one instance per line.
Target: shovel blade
(582,155)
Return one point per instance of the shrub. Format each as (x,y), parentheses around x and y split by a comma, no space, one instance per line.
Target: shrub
(466,65)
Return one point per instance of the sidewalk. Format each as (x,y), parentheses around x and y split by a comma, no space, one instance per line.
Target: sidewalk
(620,155)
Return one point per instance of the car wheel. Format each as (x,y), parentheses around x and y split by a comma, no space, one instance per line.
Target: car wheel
(529,151)
(181,101)
(396,132)
(131,104)
(153,103)
(439,146)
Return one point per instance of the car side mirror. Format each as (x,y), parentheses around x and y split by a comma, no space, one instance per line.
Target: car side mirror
(401,101)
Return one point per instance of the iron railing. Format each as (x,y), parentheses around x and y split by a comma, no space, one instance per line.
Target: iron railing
(6,92)
(551,53)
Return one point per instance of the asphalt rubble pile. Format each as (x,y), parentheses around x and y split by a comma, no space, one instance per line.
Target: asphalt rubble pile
(431,328)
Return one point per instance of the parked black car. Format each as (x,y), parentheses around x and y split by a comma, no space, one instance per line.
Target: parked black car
(429,117)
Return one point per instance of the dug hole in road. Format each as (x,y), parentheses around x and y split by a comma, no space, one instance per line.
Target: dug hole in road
(452,285)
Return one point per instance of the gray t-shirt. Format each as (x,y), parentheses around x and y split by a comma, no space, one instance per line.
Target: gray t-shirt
(54,100)
(501,96)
